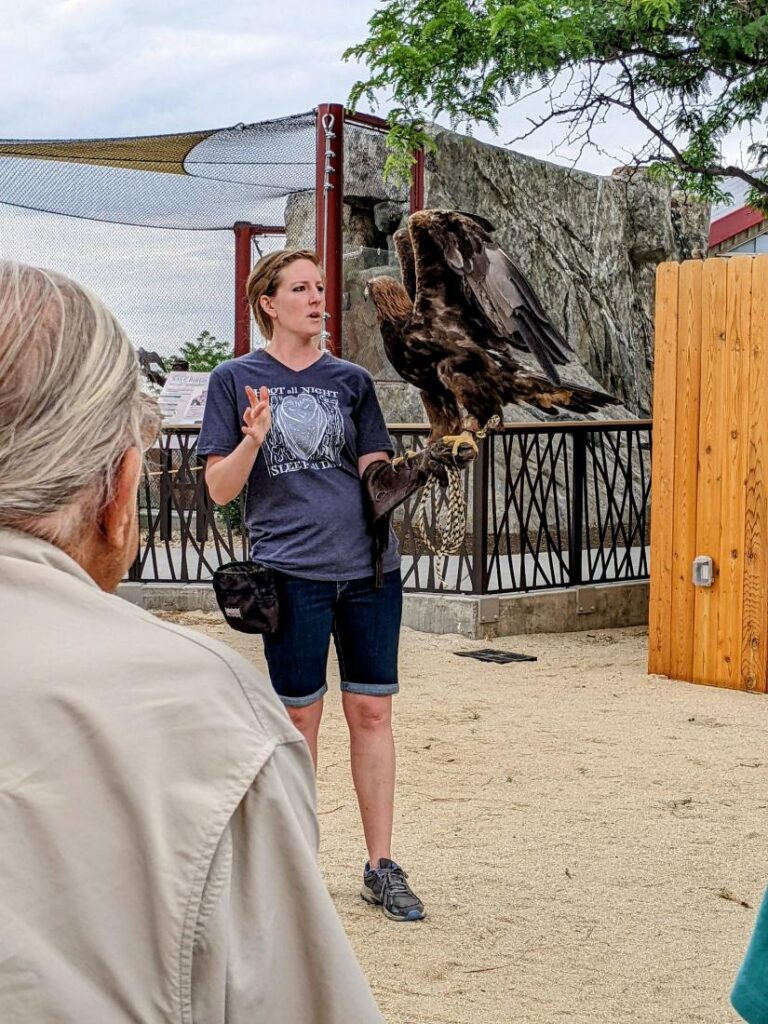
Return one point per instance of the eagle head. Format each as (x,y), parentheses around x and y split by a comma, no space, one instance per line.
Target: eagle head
(390,298)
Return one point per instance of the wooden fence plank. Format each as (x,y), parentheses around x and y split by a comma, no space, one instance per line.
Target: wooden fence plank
(663,467)
(754,649)
(730,584)
(711,451)
(688,377)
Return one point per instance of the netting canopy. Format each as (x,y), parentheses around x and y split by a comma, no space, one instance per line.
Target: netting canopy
(204,180)
(147,222)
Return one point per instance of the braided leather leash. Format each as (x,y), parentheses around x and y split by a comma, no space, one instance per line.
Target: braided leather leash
(449,523)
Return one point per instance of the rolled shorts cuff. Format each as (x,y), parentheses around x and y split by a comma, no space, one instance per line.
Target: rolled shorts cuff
(303,702)
(370,689)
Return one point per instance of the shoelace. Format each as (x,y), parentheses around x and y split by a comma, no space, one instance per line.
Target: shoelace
(393,879)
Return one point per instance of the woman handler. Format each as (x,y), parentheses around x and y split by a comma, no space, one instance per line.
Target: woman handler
(300,428)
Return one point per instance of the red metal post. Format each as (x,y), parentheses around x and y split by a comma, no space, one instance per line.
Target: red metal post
(243,231)
(416,194)
(329,203)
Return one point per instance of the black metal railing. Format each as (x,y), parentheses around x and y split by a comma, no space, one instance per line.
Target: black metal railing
(183,535)
(548,505)
(571,507)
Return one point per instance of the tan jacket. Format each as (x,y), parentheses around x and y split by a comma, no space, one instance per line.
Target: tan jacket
(157,823)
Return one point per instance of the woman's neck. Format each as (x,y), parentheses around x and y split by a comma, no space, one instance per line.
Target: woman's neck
(295,352)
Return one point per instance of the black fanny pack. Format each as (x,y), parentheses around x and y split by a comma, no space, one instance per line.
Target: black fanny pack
(247,595)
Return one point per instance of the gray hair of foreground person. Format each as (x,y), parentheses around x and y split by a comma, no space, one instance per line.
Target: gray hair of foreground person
(71,404)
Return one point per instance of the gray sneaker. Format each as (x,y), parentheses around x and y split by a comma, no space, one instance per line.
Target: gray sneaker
(386,886)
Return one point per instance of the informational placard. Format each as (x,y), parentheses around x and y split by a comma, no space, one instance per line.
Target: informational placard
(182,400)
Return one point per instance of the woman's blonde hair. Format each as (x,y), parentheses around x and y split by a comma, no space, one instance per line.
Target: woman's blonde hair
(70,403)
(265,278)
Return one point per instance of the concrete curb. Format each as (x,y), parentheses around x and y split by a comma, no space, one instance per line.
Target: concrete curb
(602,606)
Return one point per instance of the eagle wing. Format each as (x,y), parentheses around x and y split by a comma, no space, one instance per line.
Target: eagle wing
(405,257)
(497,295)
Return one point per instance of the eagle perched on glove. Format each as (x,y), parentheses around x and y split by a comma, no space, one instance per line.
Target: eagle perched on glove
(452,326)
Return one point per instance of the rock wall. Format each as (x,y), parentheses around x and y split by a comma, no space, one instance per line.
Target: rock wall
(589,245)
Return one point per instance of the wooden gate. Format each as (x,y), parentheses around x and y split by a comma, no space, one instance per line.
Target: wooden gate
(710,458)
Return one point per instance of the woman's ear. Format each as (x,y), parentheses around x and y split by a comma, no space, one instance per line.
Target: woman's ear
(265,301)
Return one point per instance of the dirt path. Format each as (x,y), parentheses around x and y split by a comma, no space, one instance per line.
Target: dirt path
(582,834)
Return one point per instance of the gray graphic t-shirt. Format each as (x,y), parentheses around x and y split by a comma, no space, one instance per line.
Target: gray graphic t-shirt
(304,504)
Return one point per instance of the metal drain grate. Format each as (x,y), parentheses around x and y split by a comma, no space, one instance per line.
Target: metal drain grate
(498,657)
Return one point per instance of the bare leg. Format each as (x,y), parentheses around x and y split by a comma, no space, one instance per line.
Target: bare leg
(307,721)
(372,755)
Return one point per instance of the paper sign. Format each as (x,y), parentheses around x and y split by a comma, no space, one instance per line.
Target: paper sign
(182,400)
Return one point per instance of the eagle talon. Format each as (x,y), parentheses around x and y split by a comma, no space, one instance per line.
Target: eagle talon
(457,440)
(401,459)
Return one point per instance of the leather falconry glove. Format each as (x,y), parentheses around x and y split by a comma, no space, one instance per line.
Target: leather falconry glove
(387,484)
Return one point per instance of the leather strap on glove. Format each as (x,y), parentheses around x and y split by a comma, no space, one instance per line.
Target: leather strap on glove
(387,484)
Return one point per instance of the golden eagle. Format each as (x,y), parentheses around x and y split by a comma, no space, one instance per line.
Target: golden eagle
(451,327)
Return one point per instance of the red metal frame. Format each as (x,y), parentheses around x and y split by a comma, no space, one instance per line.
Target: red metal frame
(242,269)
(330,248)
(416,195)
(366,120)
(244,232)
(416,192)
(333,246)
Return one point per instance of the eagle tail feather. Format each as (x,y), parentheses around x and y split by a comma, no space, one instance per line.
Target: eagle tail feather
(551,398)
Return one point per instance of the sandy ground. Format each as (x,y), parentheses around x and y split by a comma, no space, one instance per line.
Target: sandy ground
(590,841)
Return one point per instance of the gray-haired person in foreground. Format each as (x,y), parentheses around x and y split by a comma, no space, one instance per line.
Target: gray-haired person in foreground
(157,859)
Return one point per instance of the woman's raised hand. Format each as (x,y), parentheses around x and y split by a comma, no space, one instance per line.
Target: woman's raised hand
(257,417)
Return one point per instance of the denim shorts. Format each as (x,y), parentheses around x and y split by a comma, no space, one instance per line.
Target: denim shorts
(363,621)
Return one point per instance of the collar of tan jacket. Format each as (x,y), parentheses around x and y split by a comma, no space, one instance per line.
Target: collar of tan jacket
(16,544)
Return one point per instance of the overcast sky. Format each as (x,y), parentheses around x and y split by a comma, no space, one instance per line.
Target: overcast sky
(85,68)
(95,68)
